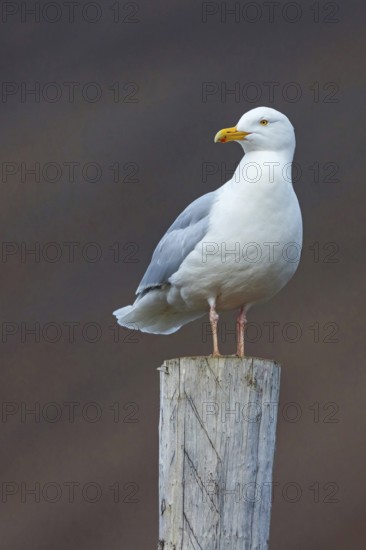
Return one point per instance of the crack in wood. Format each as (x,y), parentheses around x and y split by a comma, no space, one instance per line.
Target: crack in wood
(194,409)
(215,377)
(202,486)
(191,530)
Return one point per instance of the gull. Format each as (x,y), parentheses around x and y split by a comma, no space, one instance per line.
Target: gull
(230,248)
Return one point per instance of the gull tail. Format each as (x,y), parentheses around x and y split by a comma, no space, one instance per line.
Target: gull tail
(152,313)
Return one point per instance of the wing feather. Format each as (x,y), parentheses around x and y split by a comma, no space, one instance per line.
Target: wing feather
(180,239)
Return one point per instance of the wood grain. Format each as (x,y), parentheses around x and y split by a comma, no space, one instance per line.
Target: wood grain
(217,440)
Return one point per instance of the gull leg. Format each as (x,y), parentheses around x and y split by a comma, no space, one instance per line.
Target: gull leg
(214,318)
(240,327)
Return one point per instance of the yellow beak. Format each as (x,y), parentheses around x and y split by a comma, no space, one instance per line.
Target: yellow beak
(230,134)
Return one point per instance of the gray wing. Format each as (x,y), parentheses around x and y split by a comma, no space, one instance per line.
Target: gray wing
(180,239)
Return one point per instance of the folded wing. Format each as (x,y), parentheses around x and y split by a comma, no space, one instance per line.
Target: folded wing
(181,238)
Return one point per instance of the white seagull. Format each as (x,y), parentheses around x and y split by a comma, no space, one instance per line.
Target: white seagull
(231,248)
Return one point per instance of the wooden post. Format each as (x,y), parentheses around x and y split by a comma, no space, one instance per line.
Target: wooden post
(217,440)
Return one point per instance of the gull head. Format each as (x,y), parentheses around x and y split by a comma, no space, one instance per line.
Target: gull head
(261,129)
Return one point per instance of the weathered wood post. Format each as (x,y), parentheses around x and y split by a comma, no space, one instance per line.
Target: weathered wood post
(217,440)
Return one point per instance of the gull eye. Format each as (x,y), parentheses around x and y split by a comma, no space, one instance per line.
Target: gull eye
(264,122)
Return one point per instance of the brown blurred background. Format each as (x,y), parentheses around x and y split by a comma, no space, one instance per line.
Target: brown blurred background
(150,92)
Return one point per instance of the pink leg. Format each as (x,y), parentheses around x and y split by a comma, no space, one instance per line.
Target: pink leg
(240,327)
(214,318)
